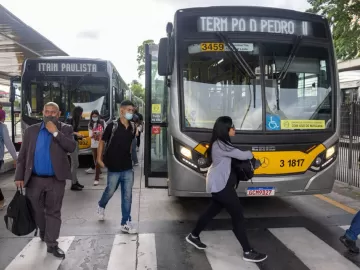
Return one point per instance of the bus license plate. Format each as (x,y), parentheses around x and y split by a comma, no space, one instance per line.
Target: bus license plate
(260,191)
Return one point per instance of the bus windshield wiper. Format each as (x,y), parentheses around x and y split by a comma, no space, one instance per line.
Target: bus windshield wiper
(285,68)
(240,63)
(240,60)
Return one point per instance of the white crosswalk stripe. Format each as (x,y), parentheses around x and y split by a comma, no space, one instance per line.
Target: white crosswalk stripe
(34,255)
(123,252)
(311,250)
(139,252)
(224,251)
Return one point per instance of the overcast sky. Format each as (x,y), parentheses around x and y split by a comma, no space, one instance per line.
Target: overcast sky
(111,29)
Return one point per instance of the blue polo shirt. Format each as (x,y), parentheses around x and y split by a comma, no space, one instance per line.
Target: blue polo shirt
(42,159)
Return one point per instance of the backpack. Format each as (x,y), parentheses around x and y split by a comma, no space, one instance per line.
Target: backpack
(113,130)
(19,217)
(244,169)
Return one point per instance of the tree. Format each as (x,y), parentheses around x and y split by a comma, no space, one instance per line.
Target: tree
(137,89)
(141,57)
(344,18)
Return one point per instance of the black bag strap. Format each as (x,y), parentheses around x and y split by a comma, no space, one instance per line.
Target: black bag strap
(21,190)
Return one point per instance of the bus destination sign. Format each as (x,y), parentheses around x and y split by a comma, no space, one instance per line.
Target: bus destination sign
(67,67)
(253,24)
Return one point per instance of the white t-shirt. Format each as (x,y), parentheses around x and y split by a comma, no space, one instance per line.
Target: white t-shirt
(98,130)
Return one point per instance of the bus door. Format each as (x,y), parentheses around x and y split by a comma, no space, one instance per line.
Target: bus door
(15,109)
(155,153)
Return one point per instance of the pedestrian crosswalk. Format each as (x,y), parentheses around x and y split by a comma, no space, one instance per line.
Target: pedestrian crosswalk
(294,248)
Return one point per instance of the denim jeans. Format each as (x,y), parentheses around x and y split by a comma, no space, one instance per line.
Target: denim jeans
(133,151)
(354,230)
(126,181)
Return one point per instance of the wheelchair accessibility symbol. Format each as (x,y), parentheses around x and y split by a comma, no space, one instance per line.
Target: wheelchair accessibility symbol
(272,122)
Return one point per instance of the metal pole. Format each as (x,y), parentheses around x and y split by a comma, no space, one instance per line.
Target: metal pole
(351,116)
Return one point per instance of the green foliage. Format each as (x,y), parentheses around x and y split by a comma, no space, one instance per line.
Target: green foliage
(137,89)
(344,18)
(141,57)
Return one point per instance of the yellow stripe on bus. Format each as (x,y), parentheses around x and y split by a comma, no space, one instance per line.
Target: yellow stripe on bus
(285,162)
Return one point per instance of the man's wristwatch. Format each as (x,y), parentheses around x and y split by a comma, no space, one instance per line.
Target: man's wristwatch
(55,133)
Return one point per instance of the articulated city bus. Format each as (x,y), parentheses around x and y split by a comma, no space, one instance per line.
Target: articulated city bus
(89,83)
(272,70)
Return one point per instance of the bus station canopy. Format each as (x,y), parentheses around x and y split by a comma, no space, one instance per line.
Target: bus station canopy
(18,42)
(349,65)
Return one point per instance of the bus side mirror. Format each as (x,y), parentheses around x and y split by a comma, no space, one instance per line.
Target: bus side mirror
(164,61)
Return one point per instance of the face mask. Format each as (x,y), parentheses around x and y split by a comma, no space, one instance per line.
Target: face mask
(50,118)
(129,116)
(95,119)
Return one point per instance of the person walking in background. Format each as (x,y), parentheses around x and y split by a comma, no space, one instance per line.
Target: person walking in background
(74,121)
(96,130)
(134,156)
(5,141)
(140,127)
(42,168)
(351,234)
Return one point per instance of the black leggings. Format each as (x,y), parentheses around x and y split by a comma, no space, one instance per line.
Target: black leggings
(228,199)
(1,196)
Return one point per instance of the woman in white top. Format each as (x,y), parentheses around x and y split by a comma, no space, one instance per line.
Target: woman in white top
(96,129)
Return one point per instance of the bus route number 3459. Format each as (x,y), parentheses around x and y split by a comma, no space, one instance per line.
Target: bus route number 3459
(291,162)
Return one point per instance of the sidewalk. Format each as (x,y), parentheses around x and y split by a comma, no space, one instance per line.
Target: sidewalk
(343,196)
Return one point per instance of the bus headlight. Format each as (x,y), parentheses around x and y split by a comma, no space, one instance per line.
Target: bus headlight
(192,158)
(318,161)
(330,152)
(325,159)
(201,161)
(185,152)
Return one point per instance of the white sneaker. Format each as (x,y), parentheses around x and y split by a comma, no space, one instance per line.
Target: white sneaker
(96,182)
(90,171)
(101,213)
(128,228)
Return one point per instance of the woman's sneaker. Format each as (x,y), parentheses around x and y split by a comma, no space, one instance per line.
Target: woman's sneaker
(195,241)
(254,256)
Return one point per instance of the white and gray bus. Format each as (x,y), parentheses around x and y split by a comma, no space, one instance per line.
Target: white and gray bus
(272,70)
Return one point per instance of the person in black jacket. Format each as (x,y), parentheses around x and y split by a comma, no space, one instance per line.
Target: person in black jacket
(140,127)
(74,121)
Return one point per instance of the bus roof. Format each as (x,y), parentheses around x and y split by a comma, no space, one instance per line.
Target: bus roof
(252,10)
(67,58)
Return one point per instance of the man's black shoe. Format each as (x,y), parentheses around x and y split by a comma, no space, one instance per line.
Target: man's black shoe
(75,187)
(56,251)
(78,184)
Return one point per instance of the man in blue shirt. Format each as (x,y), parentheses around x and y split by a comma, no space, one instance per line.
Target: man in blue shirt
(42,168)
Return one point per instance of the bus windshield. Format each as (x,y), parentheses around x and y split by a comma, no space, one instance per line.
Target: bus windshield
(215,84)
(67,91)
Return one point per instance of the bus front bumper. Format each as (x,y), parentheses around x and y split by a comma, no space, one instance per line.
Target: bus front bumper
(188,183)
